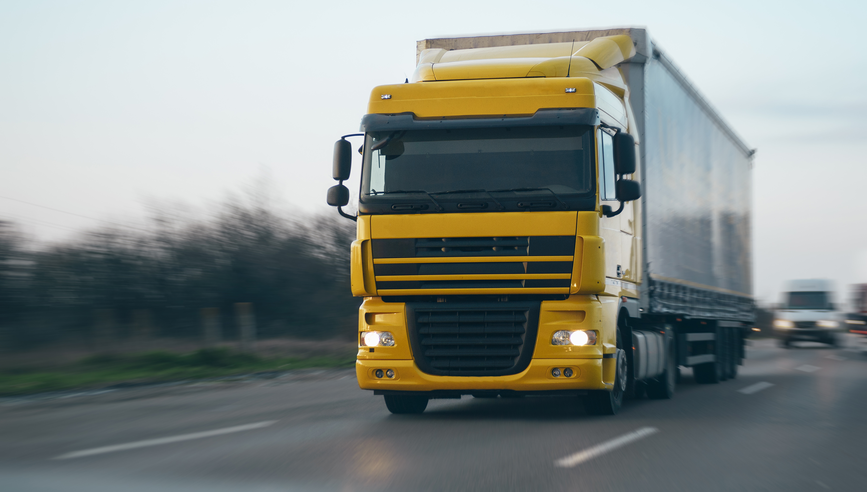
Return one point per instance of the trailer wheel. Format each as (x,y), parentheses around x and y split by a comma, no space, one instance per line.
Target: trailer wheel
(403,404)
(723,353)
(605,402)
(713,372)
(662,388)
(734,352)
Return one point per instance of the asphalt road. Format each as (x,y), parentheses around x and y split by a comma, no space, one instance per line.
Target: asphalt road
(793,420)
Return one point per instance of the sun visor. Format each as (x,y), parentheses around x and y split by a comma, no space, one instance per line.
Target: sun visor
(543,117)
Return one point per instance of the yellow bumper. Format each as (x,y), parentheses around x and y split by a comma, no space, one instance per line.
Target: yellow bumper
(588,375)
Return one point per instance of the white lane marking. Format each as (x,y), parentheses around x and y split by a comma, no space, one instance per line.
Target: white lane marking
(605,447)
(835,357)
(755,388)
(823,485)
(808,368)
(163,440)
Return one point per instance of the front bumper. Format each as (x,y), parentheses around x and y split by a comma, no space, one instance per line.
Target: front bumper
(818,334)
(588,375)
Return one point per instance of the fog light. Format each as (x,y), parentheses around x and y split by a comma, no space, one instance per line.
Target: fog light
(555,372)
(389,373)
(568,372)
(378,373)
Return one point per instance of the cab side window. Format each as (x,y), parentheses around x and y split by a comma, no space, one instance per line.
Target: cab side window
(606,166)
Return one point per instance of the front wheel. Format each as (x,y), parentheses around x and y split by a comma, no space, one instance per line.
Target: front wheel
(609,402)
(405,404)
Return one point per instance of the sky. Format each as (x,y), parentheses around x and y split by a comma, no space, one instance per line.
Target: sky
(110,110)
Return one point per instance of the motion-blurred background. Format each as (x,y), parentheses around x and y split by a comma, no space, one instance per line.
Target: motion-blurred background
(163,164)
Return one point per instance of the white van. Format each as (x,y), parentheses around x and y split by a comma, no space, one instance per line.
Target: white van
(808,313)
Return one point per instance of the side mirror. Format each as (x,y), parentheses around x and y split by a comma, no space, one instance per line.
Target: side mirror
(628,190)
(342,161)
(624,153)
(338,196)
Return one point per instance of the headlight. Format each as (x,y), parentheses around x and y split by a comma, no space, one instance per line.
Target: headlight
(783,323)
(377,339)
(827,324)
(577,337)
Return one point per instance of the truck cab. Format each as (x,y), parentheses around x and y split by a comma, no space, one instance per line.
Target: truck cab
(808,313)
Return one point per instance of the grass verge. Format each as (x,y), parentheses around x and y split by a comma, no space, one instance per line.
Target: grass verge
(153,367)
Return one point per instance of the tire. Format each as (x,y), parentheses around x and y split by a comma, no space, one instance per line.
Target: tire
(723,351)
(785,343)
(736,353)
(605,402)
(832,341)
(662,388)
(713,372)
(405,404)
(731,360)
(706,373)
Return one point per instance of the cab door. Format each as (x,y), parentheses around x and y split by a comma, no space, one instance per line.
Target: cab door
(609,227)
(622,245)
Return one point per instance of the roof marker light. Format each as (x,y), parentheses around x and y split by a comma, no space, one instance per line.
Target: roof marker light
(570,90)
(385,96)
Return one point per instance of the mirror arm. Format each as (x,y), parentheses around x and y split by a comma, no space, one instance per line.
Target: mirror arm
(606,210)
(344,214)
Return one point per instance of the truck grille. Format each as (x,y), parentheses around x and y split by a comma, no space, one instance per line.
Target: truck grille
(473,339)
(805,324)
(535,262)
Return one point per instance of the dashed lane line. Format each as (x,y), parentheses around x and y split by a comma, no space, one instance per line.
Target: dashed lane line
(808,368)
(163,440)
(605,447)
(835,357)
(755,388)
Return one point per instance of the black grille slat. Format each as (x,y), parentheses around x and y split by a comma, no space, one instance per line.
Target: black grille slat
(471,330)
(471,339)
(474,246)
(472,364)
(411,274)
(472,353)
(471,317)
(472,243)
(466,340)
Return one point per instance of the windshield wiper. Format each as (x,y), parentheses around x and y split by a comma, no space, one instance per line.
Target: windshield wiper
(439,208)
(499,205)
(549,190)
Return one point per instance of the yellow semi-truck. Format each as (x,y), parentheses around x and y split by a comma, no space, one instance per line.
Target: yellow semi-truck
(551,214)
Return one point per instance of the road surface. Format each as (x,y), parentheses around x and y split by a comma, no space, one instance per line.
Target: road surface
(793,420)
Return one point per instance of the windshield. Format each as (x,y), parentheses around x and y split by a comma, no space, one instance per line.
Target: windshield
(552,160)
(808,300)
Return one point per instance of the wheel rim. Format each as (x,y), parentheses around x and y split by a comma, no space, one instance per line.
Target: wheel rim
(620,384)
